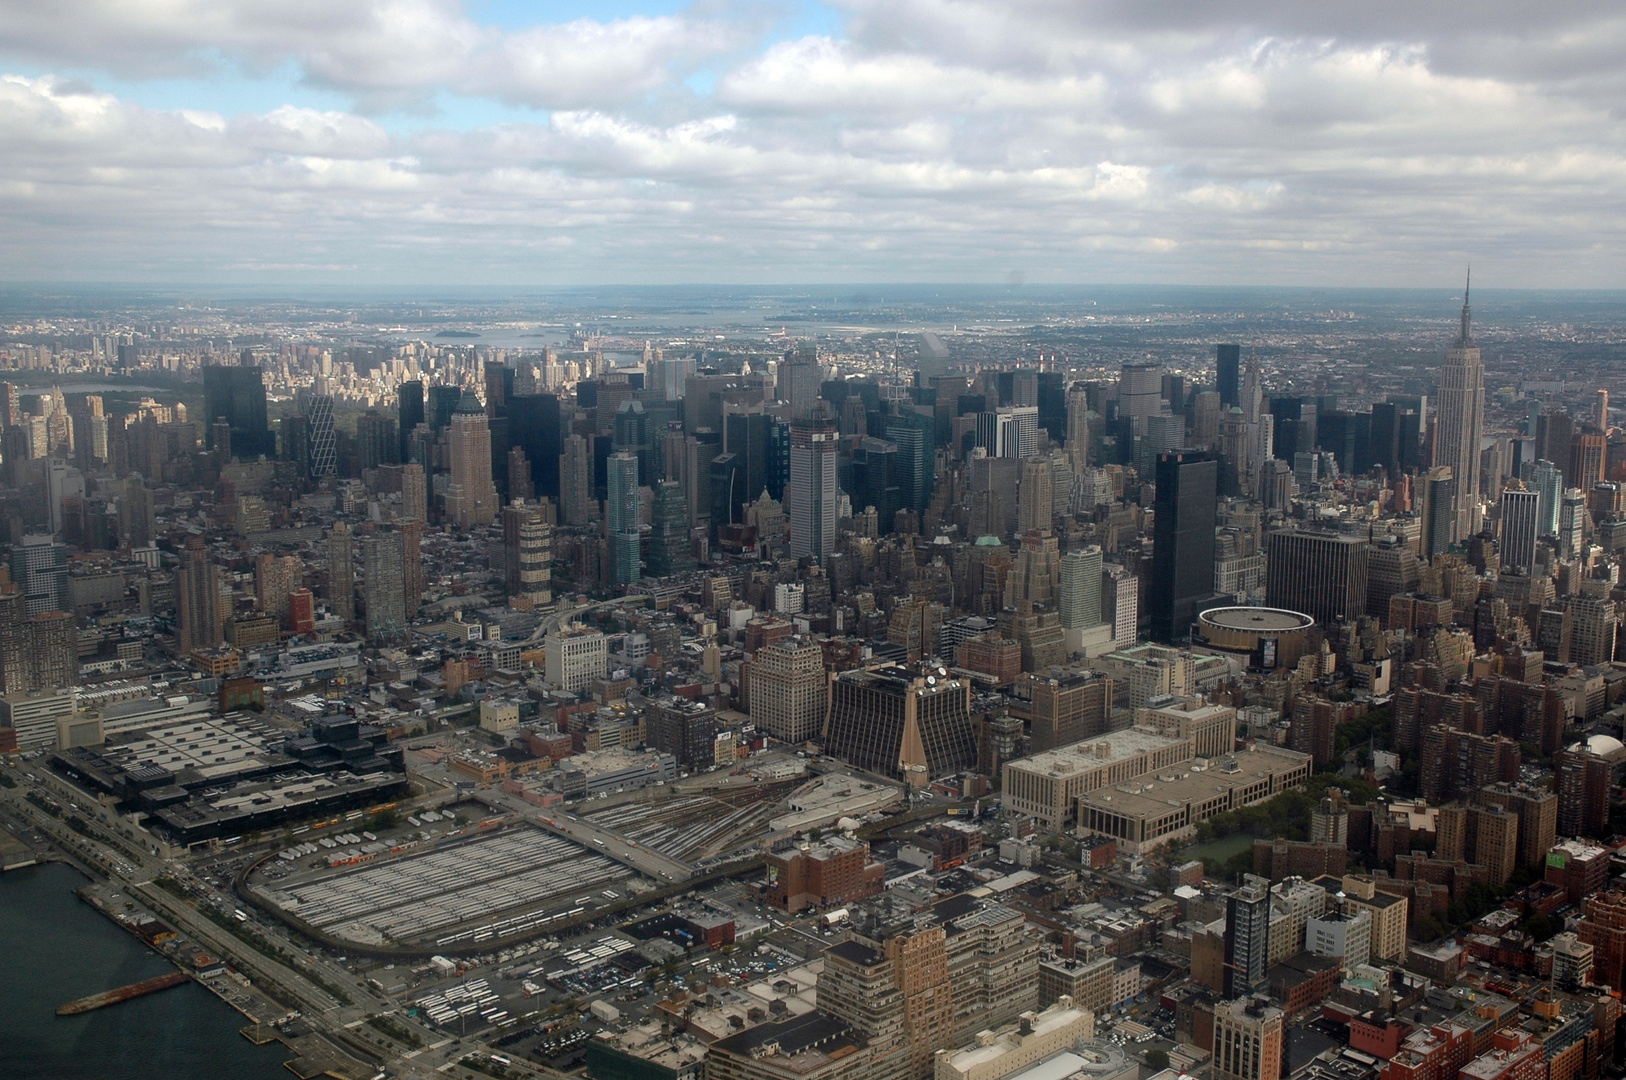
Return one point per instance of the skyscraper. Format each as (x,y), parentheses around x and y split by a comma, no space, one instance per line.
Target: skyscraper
(40,565)
(1520,512)
(621,509)
(384,562)
(1010,431)
(1322,574)
(341,573)
(1247,937)
(799,378)
(534,423)
(197,599)
(443,402)
(471,497)
(1572,522)
(906,722)
(1183,542)
(913,434)
(1547,480)
(1249,1037)
(412,560)
(1461,419)
(377,442)
(237,395)
(414,493)
(535,564)
(575,481)
(1120,604)
(1034,497)
(323,440)
(812,497)
(408,414)
(14,659)
(789,690)
(1439,491)
(1140,394)
(669,551)
(1081,588)
(1228,374)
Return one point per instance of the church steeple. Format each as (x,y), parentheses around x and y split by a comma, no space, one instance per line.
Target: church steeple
(1467,315)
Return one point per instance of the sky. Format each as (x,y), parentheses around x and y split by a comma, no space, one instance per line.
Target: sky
(484,142)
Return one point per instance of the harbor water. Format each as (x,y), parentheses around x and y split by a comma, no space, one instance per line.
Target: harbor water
(55,948)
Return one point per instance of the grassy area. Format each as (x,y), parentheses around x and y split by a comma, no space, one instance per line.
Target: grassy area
(1221,850)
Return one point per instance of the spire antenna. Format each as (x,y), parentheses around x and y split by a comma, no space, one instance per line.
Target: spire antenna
(1467,315)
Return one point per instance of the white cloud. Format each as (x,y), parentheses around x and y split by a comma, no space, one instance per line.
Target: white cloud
(930,139)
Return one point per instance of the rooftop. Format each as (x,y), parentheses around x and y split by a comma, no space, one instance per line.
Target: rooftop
(1095,752)
(1256,618)
(1157,793)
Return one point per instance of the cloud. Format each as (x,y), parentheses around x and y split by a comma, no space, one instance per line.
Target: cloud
(386,54)
(928,139)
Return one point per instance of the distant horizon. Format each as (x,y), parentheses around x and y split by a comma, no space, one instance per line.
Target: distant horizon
(1013,288)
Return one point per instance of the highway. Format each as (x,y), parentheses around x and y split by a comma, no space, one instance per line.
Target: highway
(338,1023)
(562,615)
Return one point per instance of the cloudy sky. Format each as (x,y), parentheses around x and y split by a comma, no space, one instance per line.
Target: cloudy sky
(487,141)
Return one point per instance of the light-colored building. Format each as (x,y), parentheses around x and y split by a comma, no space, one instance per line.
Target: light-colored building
(1035,1036)
(499,715)
(1210,727)
(1388,914)
(574,656)
(36,716)
(471,497)
(1293,903)
(1572,961)
(1046,786)
(1460,421)
(1346,935)
(1146,813)
(789,690)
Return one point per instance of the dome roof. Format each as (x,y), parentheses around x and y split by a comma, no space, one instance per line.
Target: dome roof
(1605,745)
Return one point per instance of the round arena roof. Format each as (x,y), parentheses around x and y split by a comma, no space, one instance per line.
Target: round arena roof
(1259,620)
(1604,745)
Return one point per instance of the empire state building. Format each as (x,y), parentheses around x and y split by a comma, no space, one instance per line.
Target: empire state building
(1461,421)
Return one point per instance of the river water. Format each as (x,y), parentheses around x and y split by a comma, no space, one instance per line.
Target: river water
(54,948)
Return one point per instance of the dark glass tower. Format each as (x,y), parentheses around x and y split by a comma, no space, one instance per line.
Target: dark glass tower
(913,433)
(409,413)
(533,425)
(237,395)
(1053,405)
(1183,542)
(1228,374)
(442,404)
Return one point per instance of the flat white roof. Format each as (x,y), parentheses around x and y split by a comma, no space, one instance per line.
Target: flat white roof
(1095,752)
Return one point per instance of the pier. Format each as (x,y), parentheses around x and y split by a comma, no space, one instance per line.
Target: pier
(123,993)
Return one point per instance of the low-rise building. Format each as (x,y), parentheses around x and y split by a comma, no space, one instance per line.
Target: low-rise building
(1046,786)
(997,1054)
(1166,805)
(833,871)
(811,1047)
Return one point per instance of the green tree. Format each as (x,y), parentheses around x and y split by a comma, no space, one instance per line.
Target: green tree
(1157,1059)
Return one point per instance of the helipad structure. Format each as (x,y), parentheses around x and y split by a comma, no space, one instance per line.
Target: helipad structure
(1262,636)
